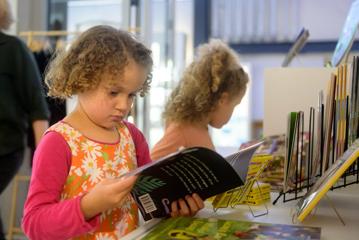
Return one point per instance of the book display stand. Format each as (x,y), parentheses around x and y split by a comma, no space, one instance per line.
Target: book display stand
(238,196)
(321,151)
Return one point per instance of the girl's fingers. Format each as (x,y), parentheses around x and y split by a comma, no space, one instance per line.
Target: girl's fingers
(198,200)
(184,210)
(174,209)
(124,184)
(192,205)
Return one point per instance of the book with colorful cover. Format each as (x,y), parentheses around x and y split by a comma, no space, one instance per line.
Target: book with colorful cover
(213,228)
(326,181)
(192,170)
(273,146)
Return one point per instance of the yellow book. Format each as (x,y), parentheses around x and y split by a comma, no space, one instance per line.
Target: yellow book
(238,195)
(258,195)
(223,200)
(256,202)
(263,187)
(326,181)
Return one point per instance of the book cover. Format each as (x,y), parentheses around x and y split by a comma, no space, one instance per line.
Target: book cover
(192,170)
(328,122)
(318,147)
(326,181)
(274,172)
(292,142)
(213,228)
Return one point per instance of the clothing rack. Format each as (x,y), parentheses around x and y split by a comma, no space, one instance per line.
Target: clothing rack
(31,34)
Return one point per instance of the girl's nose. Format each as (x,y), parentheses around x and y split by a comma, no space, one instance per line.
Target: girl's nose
(123,103)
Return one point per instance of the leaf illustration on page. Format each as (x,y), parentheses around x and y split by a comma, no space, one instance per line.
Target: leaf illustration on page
(146,184)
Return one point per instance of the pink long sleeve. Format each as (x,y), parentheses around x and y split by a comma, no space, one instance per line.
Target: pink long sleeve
(45,217)
(142,151)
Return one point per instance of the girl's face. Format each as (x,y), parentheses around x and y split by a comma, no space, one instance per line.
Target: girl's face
(224,110)
(108,105)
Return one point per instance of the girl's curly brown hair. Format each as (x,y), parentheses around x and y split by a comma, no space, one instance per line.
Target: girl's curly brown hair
(99,49)
(215,71)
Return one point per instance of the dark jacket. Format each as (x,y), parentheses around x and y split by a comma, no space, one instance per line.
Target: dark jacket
(21,95)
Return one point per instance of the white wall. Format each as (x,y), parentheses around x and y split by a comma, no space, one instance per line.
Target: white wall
(260,62)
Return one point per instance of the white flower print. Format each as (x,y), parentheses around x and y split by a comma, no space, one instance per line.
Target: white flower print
(125,169)
(72,168)
(62,128)
(110,165)
(122,171)
(91,149)
(84,187)
(96,175)
(104,215)
(126,206)
(118,158)
(78,172)
(104,236)
(73,134)
(123,145)
(121,227)
(89,165)
(110,175)
(74,147)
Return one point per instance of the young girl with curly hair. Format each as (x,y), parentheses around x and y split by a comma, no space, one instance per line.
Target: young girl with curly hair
(76,189)
(210,88)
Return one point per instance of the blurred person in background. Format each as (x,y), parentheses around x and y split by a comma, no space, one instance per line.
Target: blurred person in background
(21,101)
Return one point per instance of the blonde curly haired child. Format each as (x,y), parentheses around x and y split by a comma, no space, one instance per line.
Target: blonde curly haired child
(209,90)
(76,189)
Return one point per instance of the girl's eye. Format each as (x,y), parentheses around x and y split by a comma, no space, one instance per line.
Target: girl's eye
(133,95)
(113,93)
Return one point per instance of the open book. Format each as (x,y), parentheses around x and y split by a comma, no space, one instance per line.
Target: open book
(192,170)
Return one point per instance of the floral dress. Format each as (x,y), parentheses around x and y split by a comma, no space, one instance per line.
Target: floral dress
(92,162)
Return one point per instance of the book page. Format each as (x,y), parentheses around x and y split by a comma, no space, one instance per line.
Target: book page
(240,160)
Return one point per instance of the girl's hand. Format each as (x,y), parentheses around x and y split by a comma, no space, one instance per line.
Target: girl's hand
(107,194)
(188,207)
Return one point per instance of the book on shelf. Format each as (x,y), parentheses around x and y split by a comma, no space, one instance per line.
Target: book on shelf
(326,181)
(294,167)
(273,148)
(328,122)
(213,228)
(192,170)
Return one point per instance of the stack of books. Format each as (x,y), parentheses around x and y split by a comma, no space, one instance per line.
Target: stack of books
(273,150)
(274,174)
(257,162)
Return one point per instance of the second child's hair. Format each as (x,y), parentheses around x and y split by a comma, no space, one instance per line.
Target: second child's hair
(215,71)
(98,50)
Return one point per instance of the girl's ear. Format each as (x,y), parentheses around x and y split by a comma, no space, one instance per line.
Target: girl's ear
(224,98)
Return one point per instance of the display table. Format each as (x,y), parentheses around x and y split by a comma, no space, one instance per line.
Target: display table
(346,201)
